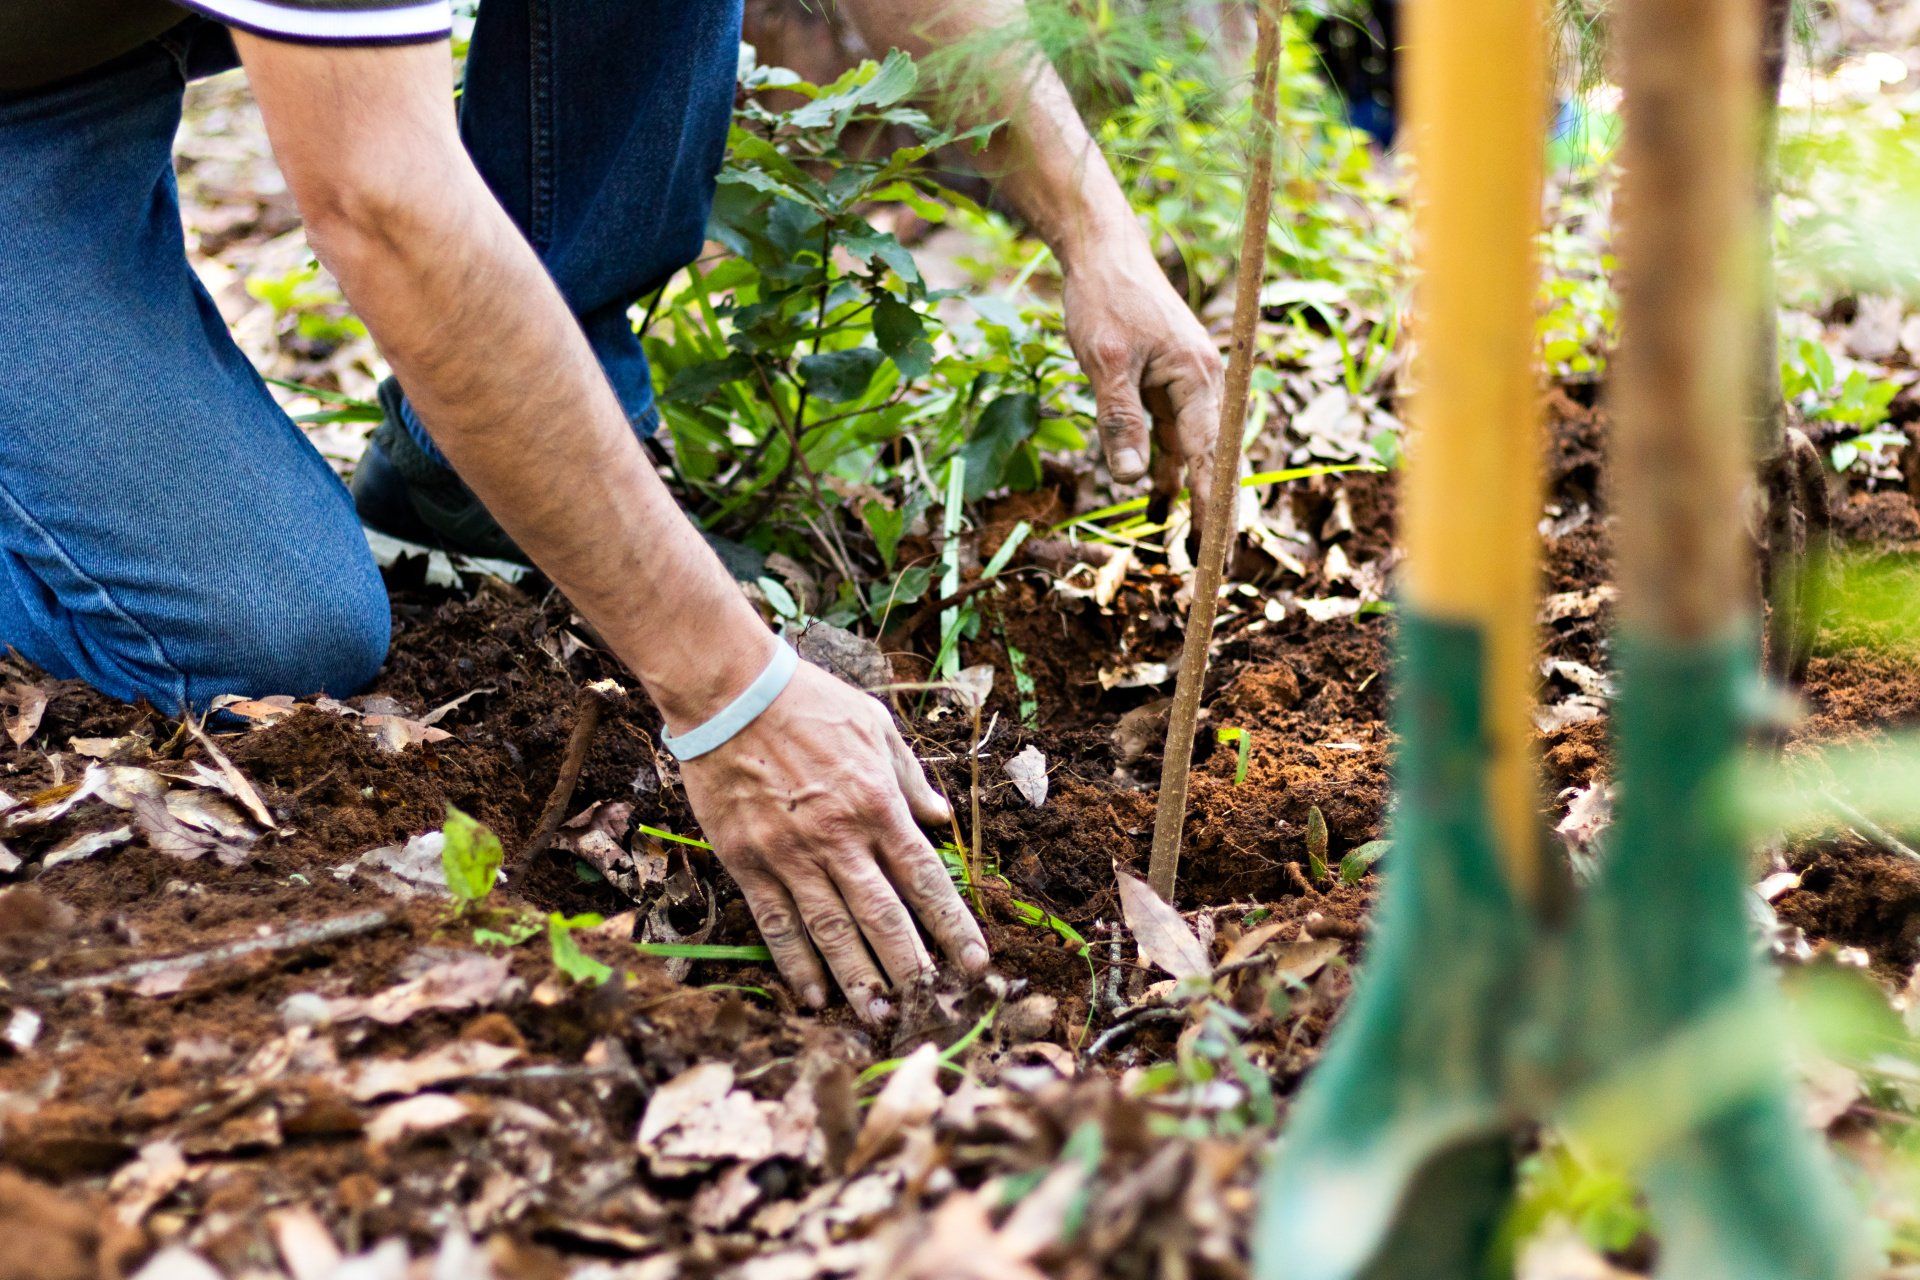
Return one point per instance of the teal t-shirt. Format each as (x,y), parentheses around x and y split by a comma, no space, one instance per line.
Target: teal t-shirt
(42,41)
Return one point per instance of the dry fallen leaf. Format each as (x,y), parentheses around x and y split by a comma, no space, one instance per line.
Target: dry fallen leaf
(1028,769)
(456,984)
(698,1117)
(397,733)
(404,870)
(1137,675)
(85,845)
(148,1179)
(910,1098)
(420,1114)
(176,1262)
(306,1246)
(1163,937)
(855,659)
(455,1060)
(1589,810)
(594,834)
(958,1242)
(21,707)
(22,1029)
(223,776)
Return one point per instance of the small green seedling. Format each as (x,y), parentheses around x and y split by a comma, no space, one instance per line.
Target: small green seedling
(567,955)
(471,857)
(1242,747)
(1357,862)
(1317,845)
(515,932)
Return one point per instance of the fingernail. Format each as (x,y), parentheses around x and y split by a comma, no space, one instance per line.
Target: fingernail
(1128,463)
(815,995)
(973,957)
(878,1009)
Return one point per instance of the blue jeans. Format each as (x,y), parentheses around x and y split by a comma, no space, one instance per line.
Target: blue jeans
(165,530)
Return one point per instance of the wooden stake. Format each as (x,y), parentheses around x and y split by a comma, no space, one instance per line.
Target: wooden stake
(1681,390)
(1217,520)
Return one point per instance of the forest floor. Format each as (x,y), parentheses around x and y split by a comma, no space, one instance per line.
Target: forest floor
(246,1032)
(400,1082)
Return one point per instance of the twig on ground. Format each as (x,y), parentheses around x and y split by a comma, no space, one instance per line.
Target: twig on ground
(1343,930)
(1298,879)
(932,609)
(1217,520)
(290,939)
(1131,1021)
(586,719)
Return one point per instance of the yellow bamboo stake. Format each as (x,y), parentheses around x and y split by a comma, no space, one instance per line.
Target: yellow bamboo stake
(1217,520)
(1471,494)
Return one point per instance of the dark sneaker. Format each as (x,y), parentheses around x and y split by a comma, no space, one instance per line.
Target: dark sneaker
(406,493)
(403,491)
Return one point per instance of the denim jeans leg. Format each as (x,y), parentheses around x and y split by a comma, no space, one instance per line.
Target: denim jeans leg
(600,125)
(165,531)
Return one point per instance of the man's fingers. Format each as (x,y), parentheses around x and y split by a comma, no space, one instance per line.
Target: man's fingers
(785,935)
(883,919)
(923,881)
(928,806)
(1113,366)
(837,936)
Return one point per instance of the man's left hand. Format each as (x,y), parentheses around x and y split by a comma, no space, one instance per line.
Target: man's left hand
(1157,376)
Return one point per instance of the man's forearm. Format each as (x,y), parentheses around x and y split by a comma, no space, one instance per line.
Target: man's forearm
(498,369)
(496,366)
(1044,163)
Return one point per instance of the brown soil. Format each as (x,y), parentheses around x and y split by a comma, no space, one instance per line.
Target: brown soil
(114,1072)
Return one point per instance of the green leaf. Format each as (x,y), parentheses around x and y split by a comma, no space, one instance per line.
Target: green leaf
(1358,861)
(471,857)
(567,955)
(701,381)
(870,244)
(839,376)
(1003,427)
(515,933)
(886,524)
(900,332)
(867,85)
(1243,748)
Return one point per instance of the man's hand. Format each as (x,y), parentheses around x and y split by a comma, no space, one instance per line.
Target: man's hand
(1156,374)
(814,809)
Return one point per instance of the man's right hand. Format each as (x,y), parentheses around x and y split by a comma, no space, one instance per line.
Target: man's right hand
(815,810)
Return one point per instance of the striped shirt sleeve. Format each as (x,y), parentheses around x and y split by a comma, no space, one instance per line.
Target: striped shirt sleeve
(334,21)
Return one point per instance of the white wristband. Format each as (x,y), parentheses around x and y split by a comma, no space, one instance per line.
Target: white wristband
(739,713)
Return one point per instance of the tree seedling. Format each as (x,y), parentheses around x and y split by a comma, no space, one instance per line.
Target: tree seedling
(1217,520)
(471,857)
(1242,748)
(1317,845)
(567,955)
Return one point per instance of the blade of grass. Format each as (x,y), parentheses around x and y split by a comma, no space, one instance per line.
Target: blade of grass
(751,953)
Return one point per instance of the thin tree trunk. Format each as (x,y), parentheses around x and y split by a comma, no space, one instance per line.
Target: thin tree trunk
(1217,520)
